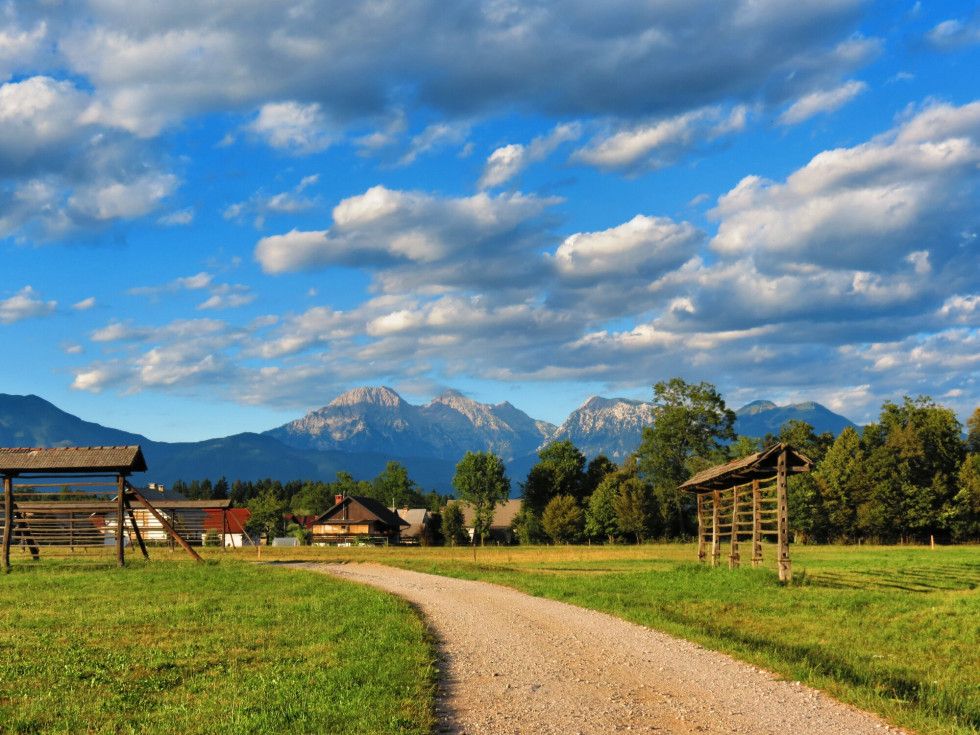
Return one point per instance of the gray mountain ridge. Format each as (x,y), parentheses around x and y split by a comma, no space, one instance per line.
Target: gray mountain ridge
(359,431)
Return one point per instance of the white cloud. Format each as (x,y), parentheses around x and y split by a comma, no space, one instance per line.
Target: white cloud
(109,200)
(458,240)
(180,217)
(25,304)
(659,143)
(852,207)
(822,102)
(189,283)
(38,121)
(646,246)
(954,33)
(293,126)
(510,160)
(85,304)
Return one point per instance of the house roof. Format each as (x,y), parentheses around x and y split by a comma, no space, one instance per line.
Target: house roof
(759,466)
(80,460)
(503,513)
(374,507)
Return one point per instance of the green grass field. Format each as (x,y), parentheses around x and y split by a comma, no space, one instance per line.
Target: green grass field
(228,646)
(895,630)
(211,648)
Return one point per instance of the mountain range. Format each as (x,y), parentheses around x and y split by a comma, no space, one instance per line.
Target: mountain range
(359,431)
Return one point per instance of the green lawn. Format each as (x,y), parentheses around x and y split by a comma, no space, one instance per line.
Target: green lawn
(232,647)
(210,648)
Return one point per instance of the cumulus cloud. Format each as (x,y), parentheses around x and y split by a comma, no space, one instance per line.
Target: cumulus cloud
(300,128)
(860,207)
(457,240)
(822,102)
(510,160)
(653,145)
(954,33)
(25,304)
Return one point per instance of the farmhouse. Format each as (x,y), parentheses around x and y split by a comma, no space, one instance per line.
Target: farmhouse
(355,516)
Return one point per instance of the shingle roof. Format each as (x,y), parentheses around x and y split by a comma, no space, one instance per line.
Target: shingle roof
(95,460)
(375,507)
(758,466)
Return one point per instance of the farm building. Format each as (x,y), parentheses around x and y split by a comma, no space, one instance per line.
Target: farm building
(418,523)
(353,517)
(501,530)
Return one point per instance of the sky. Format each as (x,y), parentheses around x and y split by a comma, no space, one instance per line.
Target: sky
(216,216)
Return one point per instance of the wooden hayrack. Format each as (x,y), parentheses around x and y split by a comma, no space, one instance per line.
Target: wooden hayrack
(34,516)
(748,499)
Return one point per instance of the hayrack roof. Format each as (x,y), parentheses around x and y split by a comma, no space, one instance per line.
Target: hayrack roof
(74,460)
(758,466)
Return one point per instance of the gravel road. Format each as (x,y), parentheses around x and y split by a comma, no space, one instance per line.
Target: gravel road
(512,663)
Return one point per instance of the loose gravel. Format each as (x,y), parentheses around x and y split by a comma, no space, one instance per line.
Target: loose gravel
(512,663)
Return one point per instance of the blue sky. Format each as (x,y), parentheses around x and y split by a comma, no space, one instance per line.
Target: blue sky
(216,216)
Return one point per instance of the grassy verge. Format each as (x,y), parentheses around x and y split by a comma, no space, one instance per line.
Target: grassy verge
(890,629)
(212,648)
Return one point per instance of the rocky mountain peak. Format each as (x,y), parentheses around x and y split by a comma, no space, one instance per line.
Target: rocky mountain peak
(379,396)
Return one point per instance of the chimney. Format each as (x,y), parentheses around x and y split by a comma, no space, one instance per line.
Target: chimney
(338,499)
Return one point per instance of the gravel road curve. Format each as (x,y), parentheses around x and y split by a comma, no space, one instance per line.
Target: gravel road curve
(512,663)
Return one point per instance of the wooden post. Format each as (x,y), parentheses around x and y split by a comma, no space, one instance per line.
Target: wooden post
(8,519)
(136,530)
(120,509)
(733,559)
(756,526)
(715,540)
(224,527)
(785,569)
(702,530)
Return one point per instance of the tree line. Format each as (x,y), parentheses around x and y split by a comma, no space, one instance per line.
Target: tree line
(911,475)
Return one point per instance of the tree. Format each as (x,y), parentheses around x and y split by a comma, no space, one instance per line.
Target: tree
(600,516)
(689,421)
(598,469)
(743,446)
(560,470)
(840,478)
(266,514)
(394,488)
(562,519)
(636,508)
(482,482)
(965,508)
(453,525)
(973,432)
(220,489)
(312,499)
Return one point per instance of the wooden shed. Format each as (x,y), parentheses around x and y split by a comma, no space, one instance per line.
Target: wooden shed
(98,499)
(747,499)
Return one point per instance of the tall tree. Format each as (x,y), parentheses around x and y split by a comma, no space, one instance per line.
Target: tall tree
(973,432)
(600,516)
(562,519)
(481,480)
(560,470)
(689,422)
(394,488)
(453,525)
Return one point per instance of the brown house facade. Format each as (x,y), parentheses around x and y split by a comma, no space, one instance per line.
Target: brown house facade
(355,516)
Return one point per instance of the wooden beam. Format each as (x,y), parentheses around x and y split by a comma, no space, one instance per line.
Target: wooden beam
(756,526)
(136,530)
(166,526)
(785,568)
(120,509)
(733,559)
(8,519)
(715,540)
(702,530)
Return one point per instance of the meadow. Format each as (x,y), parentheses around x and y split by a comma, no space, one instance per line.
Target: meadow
(895,630)
(208,648)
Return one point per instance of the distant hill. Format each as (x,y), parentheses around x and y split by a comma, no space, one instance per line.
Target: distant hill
(363,429)
(764,417)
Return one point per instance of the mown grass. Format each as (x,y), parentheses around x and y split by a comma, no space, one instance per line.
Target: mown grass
(895,630)
(208,648)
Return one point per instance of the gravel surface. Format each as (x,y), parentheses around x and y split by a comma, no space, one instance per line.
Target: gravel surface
(512,663)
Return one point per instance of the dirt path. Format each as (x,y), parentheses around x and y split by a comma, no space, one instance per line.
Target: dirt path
(513,663)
